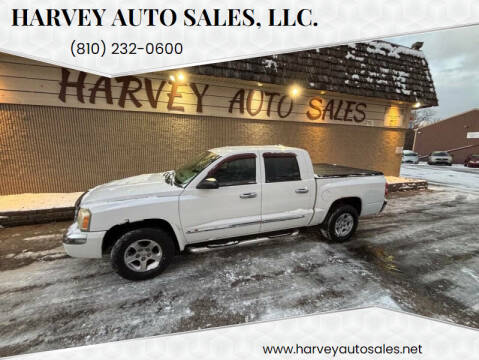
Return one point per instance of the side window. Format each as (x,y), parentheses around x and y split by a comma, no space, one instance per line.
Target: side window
(236,172)
(281,167)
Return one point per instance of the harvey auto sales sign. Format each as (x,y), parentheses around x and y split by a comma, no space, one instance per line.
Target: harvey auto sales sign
(195,95)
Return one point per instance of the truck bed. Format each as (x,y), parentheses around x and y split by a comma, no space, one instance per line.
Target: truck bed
(330,170)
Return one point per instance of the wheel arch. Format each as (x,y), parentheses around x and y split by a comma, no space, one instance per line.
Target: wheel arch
(113,234)
(354,201)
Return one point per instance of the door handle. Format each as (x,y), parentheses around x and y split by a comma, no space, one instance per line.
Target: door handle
(302,190)
(249,195)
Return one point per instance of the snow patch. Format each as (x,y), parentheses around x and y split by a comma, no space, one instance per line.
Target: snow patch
(43,237)
(27,202)
(354,57)
(270,64)
(387,49)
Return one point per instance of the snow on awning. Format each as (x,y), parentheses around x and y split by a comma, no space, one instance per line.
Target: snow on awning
(374,69)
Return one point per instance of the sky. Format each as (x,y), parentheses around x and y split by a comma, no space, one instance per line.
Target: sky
(453,57)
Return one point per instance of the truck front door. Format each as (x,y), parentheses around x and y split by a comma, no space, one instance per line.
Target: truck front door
(233,209)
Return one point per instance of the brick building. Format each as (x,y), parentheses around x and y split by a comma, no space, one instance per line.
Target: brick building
(451,135)
(62,130)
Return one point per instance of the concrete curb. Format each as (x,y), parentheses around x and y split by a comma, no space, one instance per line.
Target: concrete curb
(408,186)
(29,217)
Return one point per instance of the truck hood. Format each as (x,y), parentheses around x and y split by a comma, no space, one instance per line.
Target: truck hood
(135,187)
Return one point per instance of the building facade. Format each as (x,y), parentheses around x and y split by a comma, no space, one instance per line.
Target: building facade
(450,135)
(62,130)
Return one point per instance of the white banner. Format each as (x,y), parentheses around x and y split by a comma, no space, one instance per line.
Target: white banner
(112,38)
(371,333)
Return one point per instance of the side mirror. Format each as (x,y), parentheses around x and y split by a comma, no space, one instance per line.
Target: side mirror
(208,183)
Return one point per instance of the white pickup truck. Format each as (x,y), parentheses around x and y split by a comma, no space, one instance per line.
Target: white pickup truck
(225,197)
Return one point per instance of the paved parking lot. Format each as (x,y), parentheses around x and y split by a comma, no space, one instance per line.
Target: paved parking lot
(421,256)
(457,176)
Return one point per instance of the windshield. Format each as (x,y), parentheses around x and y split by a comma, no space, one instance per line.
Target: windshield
(409,153)
(187,172)
(475,156)
(440,153)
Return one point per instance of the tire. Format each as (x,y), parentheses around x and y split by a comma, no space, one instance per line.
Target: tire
(149,249)
(331,228)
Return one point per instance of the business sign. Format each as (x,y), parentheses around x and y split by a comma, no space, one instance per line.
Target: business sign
(28,82)
(473,135)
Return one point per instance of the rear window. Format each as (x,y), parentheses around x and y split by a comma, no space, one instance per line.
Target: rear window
(281,167)
(440,153)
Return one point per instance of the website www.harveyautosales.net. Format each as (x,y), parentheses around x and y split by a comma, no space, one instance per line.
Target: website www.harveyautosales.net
(338,350)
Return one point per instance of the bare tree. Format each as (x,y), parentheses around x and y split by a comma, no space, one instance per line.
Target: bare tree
(424,117)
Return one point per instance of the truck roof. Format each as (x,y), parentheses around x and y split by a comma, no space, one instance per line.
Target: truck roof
(239,149)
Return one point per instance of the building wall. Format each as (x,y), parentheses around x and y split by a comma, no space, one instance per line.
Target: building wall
(61,149)
(450,134)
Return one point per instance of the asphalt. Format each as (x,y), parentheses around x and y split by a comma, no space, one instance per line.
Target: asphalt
(421,256)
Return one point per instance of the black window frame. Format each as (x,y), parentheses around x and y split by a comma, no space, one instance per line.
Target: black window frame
(270,155)
(212,172)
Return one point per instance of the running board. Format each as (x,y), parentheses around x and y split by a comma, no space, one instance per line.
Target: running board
(218,246)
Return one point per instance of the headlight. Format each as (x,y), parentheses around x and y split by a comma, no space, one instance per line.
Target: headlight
(83,219)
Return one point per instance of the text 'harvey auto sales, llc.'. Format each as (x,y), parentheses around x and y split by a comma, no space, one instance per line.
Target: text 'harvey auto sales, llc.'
(162,17)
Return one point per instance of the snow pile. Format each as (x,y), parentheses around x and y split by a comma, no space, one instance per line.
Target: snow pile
(27,202)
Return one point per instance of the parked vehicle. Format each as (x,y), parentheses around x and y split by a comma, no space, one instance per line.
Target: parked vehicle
(225,197)
(410,157)
(472,160)
(439,157)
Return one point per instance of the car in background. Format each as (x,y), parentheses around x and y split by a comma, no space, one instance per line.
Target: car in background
(409,157)
(439,157)
(472,160)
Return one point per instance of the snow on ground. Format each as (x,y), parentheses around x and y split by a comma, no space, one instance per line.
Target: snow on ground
(456,176)
(399,180)
(421,255)
(24,202)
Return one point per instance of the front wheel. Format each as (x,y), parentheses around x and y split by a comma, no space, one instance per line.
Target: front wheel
(142,253)
(341,224)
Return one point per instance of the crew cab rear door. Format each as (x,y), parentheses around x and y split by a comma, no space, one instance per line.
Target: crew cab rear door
(288,191)
(232,210)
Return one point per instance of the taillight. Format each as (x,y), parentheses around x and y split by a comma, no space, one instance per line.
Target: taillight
(386,190)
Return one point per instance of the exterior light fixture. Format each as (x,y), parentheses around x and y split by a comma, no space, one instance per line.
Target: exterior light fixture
(181,76)
(260,84)
(417,105)
(294,91)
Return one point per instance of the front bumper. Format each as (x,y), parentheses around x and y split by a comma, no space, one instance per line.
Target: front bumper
(83,244)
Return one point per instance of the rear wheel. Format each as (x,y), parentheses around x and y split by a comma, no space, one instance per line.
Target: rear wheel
(142,253)
(341,223)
